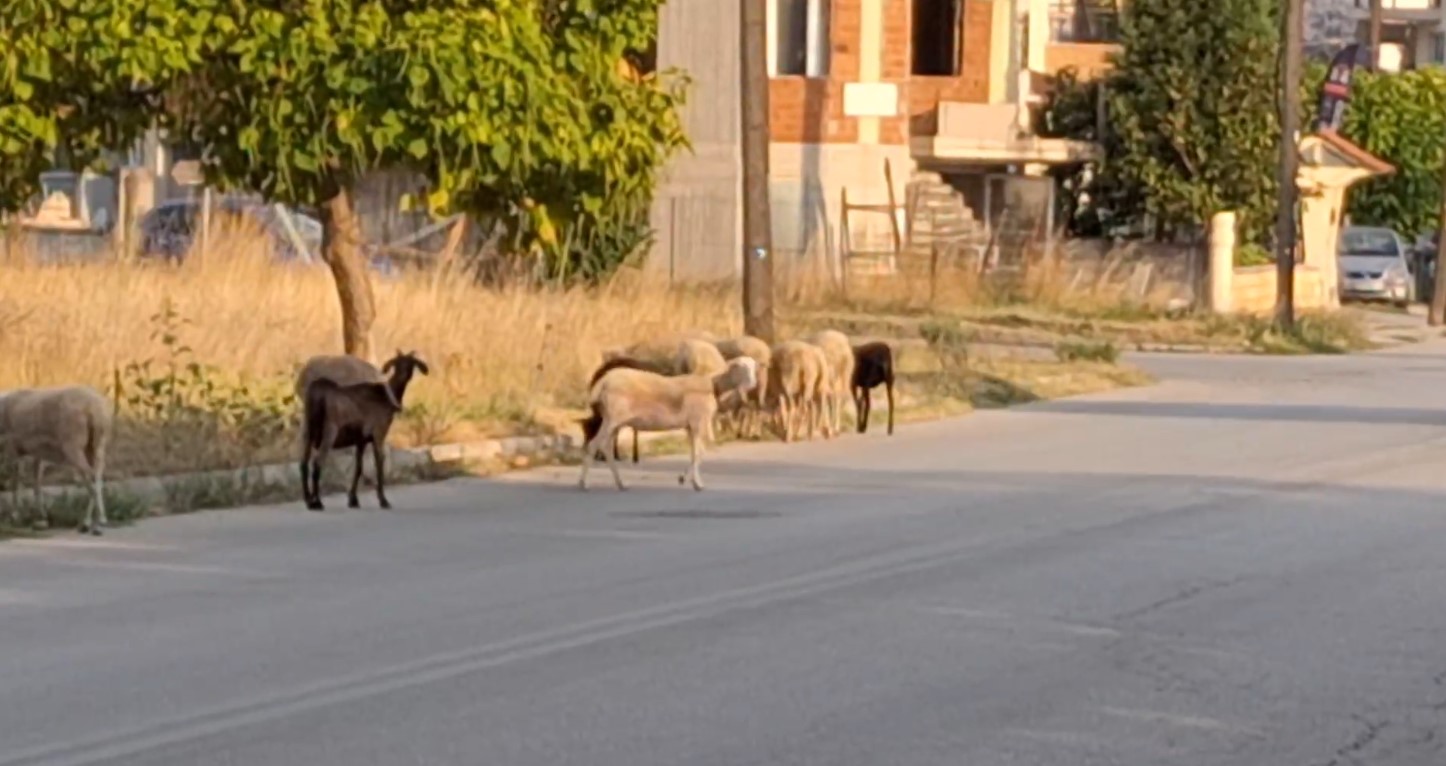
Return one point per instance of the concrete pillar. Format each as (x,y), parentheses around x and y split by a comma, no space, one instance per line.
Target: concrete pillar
(871,60)
(1001,35)
(1320,212)
(1222,262)
(1037,36)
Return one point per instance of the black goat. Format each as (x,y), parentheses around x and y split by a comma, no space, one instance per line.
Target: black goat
(873,364)
(593,422)
(337,417)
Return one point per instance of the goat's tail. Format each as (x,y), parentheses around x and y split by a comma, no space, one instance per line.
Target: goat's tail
(592,424)
(313,413)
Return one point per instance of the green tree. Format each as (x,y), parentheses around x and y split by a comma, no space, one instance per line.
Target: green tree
(510,109)
(507,112)
(1192,111)
(79,77)
(1400,118)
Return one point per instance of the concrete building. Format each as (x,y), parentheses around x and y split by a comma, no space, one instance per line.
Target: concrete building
(1413,32)
(940,89)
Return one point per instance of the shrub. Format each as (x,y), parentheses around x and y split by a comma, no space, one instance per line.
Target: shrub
(1086,351)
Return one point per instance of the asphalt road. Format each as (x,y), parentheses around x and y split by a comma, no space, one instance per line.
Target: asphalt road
(1243,565)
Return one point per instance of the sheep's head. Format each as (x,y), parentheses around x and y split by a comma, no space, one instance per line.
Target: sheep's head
(742,374)
(405,363)
(401,368)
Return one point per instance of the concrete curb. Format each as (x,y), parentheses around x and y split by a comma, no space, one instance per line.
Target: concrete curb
(157,489)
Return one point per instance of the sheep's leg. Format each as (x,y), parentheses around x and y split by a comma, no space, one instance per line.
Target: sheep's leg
(785,416)
(95,514)
(379,462)
(318,457)
(635,445)
(890,386)
(695,466)
(356,474)
(97,490)
(831,407)
(315,503)
(306,476)
(97,465)
(864,400)
(606,433)
(589,454)
(613,464)
(90,522)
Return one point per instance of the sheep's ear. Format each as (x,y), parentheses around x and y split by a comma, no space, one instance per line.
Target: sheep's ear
(389,365)
(421,365)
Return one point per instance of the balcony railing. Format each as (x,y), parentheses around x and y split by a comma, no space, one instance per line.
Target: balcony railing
(1402,5)
(1084,21)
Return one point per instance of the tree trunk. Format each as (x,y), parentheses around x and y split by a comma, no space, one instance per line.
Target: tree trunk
(341,248)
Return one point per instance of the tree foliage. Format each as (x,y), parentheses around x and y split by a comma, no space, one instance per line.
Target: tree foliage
(511,109)
(505,111)
(1192,114)
(79,77)
(1400,118)
(520,111)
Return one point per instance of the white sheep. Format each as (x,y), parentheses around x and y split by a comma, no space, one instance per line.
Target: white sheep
(801,384)
(646,401)
(840,355)
(756,349)
(65,425)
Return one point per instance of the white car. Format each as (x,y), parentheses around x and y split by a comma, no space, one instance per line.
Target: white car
(1375,265)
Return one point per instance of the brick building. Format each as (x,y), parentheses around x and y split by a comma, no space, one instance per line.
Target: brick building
(941,89)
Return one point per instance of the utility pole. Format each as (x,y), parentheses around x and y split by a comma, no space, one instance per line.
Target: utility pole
(1438,291)
(1375,35)
(1285,230)
(757,218)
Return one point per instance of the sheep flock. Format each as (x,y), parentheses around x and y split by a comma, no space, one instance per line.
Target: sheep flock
(693,382)
(696,382)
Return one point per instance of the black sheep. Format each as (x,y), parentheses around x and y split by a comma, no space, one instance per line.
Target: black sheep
(873,365)
(337,417)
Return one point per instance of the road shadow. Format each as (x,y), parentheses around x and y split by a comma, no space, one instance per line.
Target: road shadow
(1293,413)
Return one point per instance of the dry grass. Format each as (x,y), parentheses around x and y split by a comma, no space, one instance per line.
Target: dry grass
(503,360)
(497,356)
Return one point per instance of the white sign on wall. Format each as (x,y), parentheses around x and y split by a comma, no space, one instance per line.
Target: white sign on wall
(870,99)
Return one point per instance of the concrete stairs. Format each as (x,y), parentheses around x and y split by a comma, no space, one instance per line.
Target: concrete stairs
(940,217)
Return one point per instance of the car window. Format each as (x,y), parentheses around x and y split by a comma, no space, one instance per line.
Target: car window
(1369,242)
(170,218)
(308,227)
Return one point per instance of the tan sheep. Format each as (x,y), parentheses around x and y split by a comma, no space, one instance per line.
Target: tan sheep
(66,425)
(751,421)
(699,357)
(801,384)
(840,354)
(661,351)
(341,370)
(646,401)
